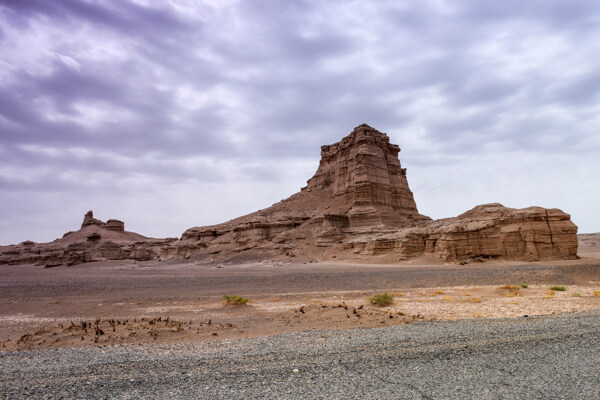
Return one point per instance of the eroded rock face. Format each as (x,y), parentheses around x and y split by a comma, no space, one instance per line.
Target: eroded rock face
(364,169)
(486,231)
(96,240)
(357,207)
(111,224)
(88,219)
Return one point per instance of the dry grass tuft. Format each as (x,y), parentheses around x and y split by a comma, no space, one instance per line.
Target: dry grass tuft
(235,300)
(381,299)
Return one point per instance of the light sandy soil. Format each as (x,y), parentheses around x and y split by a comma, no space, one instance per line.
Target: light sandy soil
(125,302)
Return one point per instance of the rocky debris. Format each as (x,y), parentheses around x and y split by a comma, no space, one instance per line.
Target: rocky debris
(110,331)
(357,206)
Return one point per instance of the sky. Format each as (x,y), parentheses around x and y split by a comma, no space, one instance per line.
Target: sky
(182,113)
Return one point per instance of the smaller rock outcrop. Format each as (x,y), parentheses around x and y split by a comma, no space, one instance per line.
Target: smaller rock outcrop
(489,231)
(96,240)
(111,225)
(115,225)
(88,219)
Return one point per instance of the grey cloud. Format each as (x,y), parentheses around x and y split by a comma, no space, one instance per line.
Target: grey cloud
(583,90)
(272,81)
(552,12)
(124,16)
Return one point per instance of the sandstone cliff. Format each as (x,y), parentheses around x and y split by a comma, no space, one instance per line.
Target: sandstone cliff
(357,206)
(485,232)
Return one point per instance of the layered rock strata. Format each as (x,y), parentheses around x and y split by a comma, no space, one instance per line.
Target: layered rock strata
(357,207)
(96,240)
(485,232)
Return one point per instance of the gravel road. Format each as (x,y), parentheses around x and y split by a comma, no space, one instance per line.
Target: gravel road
(533,358)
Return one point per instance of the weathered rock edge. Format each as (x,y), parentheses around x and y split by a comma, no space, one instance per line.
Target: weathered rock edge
(357,207)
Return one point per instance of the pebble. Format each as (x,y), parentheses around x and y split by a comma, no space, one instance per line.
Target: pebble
(533,358)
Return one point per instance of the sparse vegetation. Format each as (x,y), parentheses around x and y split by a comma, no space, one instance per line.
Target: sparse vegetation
(474,300)
(558,288)
(596,292)
(235,300)
(510,287)
(576,294)
(437,291)
(523,285)
(381,299)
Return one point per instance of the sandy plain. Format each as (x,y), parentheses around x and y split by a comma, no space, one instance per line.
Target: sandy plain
(123,302)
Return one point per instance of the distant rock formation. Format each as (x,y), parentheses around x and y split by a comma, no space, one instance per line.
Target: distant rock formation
(357,207)
(96,240)
(112,224)
(88,219)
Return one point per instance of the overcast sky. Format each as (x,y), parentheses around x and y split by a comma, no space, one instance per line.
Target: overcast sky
(169,115)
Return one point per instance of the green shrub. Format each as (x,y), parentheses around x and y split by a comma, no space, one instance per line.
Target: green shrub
(235,300)
(523,285)
(558,288)
(381,299)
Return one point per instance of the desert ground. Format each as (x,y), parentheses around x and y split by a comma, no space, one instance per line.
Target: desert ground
(127,302)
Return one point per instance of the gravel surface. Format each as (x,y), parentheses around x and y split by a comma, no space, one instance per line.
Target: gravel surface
(533,358)
(172,282)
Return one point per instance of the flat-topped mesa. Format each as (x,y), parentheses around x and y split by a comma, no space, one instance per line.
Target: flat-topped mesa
(364,169)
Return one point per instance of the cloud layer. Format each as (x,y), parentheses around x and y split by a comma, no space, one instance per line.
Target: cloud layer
(174,114)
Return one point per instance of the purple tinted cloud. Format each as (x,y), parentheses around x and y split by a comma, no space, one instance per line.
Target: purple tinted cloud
(120,97)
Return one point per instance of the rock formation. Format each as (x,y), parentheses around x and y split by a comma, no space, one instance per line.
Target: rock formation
(357,207)
(111,224)
(96,240)
(485,232)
